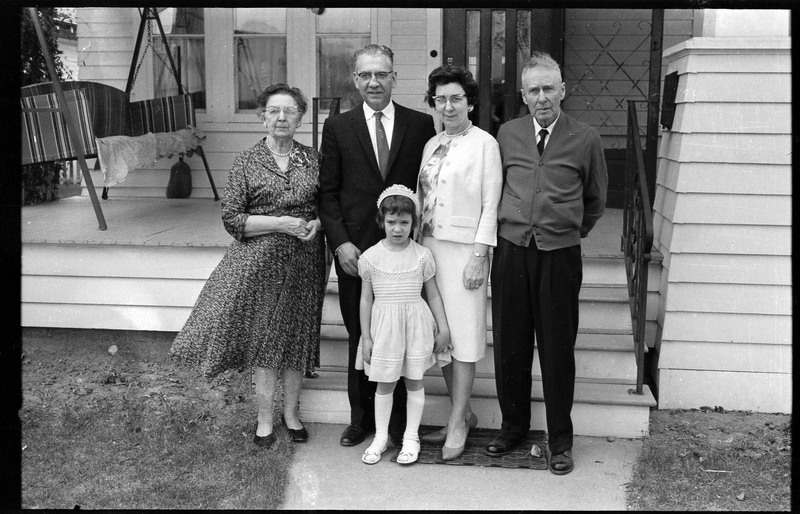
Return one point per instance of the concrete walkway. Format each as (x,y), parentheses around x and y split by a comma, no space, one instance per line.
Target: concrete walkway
(326,475)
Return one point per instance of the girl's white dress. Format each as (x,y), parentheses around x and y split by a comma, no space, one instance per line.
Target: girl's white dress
(402,323)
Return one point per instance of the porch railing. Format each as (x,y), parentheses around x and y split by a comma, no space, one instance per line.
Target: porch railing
(637,238)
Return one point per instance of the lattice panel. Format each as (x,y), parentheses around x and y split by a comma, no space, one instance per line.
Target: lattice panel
(607,63)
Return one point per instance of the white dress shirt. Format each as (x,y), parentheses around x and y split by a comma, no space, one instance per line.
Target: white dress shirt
(388,125)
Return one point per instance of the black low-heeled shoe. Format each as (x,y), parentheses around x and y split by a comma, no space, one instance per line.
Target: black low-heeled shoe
(298,436)
(265,442)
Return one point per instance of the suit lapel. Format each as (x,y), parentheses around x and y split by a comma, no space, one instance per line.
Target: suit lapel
(362,134)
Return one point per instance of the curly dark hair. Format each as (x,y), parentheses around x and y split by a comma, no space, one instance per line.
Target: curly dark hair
(281,88)
(449,74)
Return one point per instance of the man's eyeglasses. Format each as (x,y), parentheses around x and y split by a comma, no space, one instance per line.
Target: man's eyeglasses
(380,76)
(290,110)
(454,99)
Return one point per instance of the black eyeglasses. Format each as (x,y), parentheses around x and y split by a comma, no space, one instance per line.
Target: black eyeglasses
(380,76)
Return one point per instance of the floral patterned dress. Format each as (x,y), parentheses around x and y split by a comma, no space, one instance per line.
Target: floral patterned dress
(262,304)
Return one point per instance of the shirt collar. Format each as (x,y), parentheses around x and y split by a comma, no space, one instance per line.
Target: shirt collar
(549,128)
(388,111)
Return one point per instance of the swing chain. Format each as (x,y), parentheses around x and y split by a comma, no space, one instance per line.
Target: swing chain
(155,53)
(144,53)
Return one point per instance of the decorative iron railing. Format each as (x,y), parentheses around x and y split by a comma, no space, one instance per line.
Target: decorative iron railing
(637,238)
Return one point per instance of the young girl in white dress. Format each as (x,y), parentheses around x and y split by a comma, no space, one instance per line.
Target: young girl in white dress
(400,331)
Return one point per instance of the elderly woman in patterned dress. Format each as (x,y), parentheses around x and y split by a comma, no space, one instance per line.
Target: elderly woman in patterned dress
(261,307)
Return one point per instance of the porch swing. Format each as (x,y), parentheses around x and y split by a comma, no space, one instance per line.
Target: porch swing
(83,119)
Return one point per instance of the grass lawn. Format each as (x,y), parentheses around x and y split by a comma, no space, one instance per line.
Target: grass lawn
(131,430)
(710,459)
(128,431)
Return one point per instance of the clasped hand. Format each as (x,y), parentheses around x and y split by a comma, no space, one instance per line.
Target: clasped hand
(301,229)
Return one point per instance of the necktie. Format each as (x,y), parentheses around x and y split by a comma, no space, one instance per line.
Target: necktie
(542,137)
(383,145)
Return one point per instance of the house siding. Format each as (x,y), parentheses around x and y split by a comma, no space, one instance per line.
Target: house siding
(105,44)
(723,223)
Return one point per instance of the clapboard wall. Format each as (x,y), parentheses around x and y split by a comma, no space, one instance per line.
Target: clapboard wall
(723,224)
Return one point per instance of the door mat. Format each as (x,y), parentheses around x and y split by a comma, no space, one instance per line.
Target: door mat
(474,454)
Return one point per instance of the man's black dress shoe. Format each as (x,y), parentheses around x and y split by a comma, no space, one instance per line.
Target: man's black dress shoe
(352,436)
(265,442)
(560,463)
(298,436)
(500,446)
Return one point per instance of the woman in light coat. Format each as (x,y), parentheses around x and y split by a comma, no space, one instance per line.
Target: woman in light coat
(460,183)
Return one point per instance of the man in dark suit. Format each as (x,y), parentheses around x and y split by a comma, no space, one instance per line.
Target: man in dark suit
(356,167)
(554,191)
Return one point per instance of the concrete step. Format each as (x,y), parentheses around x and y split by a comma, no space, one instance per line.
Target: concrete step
(600,408)
(597,356)
(601,308)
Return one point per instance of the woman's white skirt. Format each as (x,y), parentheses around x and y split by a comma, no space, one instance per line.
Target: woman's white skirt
(465,309)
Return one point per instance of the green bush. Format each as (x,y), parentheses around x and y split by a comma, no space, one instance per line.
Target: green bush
(40,182)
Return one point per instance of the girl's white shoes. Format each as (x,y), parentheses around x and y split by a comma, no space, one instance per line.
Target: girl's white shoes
(410,451)
(408,454)
(372,455)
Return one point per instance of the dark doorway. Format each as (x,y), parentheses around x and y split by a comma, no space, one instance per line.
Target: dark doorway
(494,45)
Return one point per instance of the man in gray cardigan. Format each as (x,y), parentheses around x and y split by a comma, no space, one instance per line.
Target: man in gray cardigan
(554,191)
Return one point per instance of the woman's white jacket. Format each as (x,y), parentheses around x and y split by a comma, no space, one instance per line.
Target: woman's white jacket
(469,188)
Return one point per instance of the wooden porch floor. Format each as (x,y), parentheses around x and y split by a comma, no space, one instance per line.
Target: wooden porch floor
(191,222)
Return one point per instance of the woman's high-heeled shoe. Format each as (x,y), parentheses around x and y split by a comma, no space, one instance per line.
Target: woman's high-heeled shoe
(452,453)
(440,436)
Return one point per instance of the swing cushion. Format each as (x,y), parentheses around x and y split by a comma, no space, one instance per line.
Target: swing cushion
(167,114)
(45,136)
(108,106)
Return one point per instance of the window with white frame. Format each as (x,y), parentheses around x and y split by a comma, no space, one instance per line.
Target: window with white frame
(259,37)
(184,28)
(340,32)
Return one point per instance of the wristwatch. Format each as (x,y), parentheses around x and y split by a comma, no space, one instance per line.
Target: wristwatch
(476,254)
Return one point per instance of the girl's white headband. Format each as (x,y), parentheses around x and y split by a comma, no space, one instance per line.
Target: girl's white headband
(400,190)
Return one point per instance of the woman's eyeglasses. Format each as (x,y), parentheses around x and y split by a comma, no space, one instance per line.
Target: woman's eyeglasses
(290,110)
(453,99)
